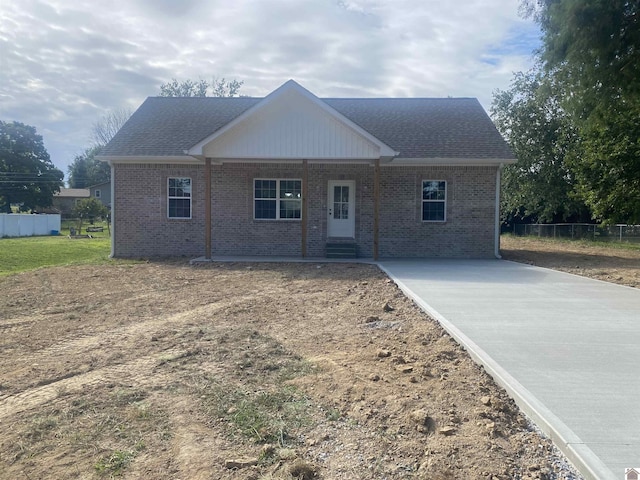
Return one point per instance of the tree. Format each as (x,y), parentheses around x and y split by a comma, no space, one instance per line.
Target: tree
(592,48)
(200,88)
(89,209)
(540,186)
(86,170)
(105,129)
(27,175)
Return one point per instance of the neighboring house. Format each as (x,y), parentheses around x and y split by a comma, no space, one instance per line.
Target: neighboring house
(66,199)
(102,191)
(631,474)
(295,175)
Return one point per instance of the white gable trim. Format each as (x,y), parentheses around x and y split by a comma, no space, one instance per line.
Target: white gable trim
(385,151)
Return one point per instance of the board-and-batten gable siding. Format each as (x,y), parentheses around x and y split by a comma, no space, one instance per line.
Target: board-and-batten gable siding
(293,128)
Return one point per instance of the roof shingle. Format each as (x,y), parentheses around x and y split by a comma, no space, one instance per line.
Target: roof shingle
(415,127)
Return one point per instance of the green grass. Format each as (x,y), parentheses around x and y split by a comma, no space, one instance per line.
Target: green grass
(29,253)
(612,244)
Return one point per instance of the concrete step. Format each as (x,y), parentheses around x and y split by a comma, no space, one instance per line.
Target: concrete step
(341,250)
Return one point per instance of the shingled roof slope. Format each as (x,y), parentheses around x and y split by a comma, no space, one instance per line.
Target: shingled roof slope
(415,127)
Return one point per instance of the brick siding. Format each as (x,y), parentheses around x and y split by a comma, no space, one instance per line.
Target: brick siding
(142,228)
(141,225)
(469,229)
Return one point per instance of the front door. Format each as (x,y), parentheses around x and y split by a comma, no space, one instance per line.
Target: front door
(341,208)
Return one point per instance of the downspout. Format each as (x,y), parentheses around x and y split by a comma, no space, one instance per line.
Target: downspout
(496,241)
(113,208)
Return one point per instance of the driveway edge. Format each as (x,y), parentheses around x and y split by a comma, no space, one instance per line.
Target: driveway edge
(576,451)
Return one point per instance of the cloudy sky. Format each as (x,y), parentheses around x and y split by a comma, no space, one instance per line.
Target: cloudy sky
(65,63)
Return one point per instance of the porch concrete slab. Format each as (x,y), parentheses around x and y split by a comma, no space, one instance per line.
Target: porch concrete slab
(276,259)
(567,348)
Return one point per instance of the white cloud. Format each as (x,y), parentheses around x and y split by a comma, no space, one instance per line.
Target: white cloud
(64,64)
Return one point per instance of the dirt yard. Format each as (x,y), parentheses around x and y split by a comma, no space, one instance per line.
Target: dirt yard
(237,371)
(611,264)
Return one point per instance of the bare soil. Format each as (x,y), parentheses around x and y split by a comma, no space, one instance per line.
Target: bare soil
(245,371)
(616,264)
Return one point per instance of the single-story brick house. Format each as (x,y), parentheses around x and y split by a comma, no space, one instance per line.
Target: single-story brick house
(295,175)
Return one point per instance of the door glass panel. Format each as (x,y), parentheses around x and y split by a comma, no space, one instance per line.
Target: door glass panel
(345,194)
(345,211)
(341,202)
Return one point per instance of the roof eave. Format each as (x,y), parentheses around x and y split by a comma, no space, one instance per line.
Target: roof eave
(180,159)
(444,161)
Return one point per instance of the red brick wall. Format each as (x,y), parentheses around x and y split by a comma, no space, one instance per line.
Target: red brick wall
(142,228)
(468,231)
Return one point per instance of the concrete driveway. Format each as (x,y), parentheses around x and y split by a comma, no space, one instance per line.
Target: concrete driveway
(567,348)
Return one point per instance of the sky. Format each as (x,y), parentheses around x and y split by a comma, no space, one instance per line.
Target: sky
(65,64)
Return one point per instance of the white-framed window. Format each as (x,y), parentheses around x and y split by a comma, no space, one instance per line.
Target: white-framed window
(98,193)
(179,197)
(277,199)
(434,200)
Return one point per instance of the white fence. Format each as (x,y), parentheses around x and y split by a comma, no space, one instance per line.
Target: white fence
(26,225)
(586,231)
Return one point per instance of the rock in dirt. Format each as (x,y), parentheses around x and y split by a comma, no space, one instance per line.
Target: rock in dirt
(448,430)
(384,353)
(388,308)
(486,400)
(240,463)
(424,423)
(421,417)
(374,377)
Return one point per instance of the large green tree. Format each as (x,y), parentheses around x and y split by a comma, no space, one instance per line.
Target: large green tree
(540,186)
(27,175)
(592,48)
(86,170)
(201,88)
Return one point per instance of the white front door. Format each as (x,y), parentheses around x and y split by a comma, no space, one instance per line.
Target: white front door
(341,209)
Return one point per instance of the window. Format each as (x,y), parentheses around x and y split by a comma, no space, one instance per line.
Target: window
(434,200)
(277,199)
(179,197)
(98,193)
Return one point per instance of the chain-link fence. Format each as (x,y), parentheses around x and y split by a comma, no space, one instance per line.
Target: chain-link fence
(578,231)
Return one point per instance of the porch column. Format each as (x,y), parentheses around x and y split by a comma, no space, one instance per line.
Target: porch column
(207,208)
(305,191)
(376,207)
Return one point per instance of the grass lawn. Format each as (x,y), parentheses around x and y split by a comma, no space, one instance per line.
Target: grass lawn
(28,253)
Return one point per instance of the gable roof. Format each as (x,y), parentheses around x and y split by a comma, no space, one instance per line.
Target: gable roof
(108,182)
(293,88)
(414,127)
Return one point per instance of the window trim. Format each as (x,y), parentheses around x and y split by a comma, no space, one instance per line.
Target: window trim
(169,198)
(277,199)
(423,201)
(97,193)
